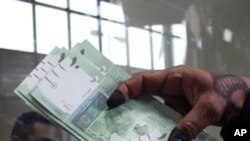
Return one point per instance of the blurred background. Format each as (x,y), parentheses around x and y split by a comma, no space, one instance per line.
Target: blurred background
(135,34)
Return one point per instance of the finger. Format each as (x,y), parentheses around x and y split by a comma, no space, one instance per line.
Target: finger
(204,113)
(147,82)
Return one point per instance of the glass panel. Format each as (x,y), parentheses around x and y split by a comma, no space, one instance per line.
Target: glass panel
(139,48)
(146,26)
(114,42)
(51,31)
(82,28)
(85,6)
(15,32)
(158,28)
(158,51)
(59,3)
(112,11)
(179,44)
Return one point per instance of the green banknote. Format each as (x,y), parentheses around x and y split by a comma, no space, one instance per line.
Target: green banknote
(46,65)
(63,90)
(169,120)
(27,85)
(89,52)
(74,94)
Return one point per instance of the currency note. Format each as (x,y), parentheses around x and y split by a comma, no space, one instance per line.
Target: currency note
(27,85)
(89,52)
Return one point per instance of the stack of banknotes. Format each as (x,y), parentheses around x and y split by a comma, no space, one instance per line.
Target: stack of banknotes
(71,89)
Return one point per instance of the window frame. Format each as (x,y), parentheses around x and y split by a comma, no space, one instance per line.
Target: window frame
(99,18)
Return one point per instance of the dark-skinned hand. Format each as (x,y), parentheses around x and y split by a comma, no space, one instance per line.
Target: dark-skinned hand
(203,98)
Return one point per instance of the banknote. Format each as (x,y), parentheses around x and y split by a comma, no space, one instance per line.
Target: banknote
(27,85)
(76,93)
(46,65)
(39,72)
(89,52)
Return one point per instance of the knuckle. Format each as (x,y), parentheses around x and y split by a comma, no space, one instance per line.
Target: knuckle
(212,109)
(182,67)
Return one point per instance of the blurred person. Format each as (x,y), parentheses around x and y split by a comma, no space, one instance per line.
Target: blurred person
(31,126)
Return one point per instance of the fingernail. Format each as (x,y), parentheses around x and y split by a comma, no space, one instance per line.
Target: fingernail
(115,99)
(177,135)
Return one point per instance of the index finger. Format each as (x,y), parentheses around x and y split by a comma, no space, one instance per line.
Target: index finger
(157,82)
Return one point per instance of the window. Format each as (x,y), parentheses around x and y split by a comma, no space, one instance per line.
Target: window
(83,27)
(114,42)
(58,3)
(158,51)
(158,28)
(111,11)
(15,32)
(139,48)
(84,6)
(51,29)
(64,23)
(179,44)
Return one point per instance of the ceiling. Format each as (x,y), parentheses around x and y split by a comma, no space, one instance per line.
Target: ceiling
(231,13)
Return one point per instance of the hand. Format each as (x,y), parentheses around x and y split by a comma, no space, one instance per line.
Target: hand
(203,98)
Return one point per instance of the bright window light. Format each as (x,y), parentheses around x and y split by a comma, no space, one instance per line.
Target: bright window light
(59,3)
(114,42)
(16,28)
(112,11)
(227,35)
(158,28)
(179,44)
(82,28)
(139,48)
(51,29)
(84,6)
(158,51)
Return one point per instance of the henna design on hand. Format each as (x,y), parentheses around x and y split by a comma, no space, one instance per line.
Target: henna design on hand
(226,86)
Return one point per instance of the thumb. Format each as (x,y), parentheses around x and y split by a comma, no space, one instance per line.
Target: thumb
(194,122)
